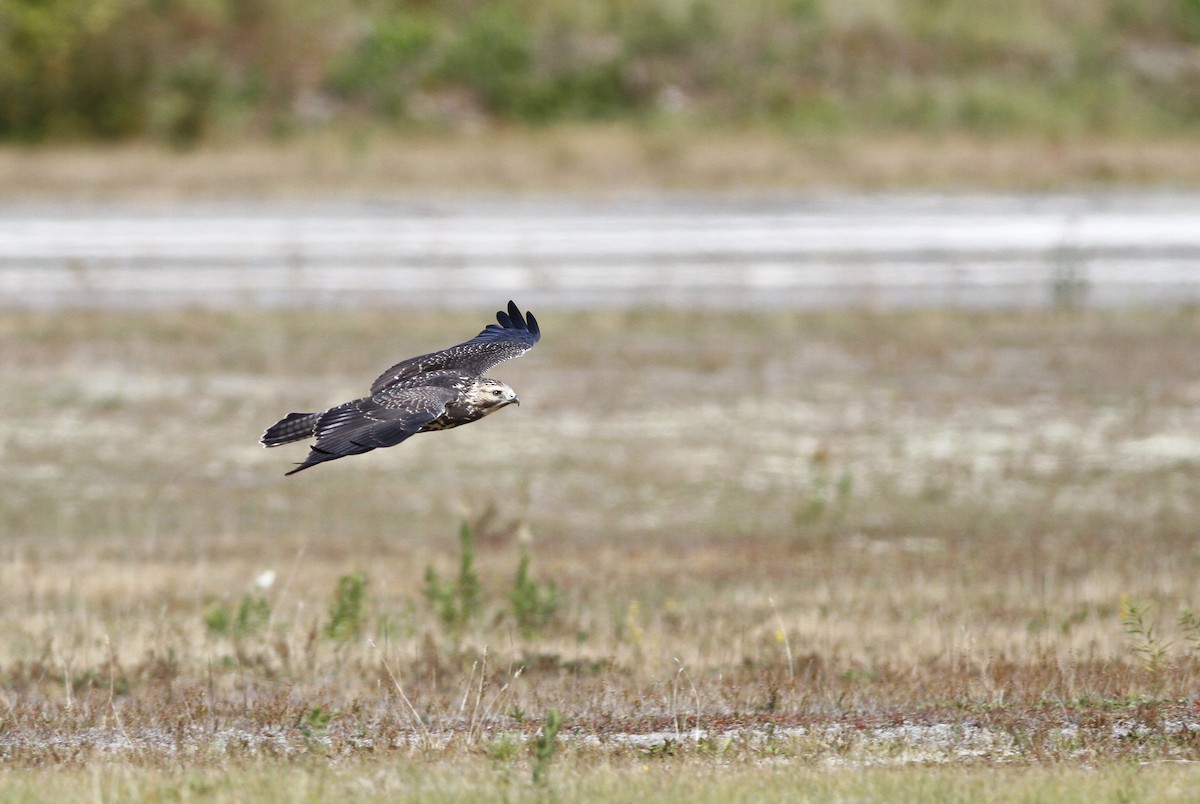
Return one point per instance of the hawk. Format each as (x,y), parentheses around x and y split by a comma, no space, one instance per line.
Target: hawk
(429,392)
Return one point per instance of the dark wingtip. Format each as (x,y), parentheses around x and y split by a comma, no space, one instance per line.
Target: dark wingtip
(308,463)
(514,320)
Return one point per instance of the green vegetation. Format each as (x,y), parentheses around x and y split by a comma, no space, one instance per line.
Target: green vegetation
(313,726)
(249,617)
(184,71)
(581,776)
(534,605)
(1147,643)
(460,603)
(346,609)
(544,747)
(1144,642)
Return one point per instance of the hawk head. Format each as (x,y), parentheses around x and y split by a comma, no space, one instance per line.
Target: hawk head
(490,395)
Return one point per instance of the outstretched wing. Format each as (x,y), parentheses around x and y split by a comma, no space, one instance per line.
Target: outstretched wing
(512,337)
(365,424)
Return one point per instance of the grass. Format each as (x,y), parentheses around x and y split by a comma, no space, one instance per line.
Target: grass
(593,160)
(190,72)
(591,779)
(297,98)
(957,545)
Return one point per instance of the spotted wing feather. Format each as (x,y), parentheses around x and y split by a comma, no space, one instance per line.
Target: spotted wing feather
(353,428)
(512,336)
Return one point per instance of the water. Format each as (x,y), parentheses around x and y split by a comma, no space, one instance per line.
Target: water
(881,251)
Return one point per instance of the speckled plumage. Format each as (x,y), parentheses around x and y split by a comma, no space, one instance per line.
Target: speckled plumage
(429,392)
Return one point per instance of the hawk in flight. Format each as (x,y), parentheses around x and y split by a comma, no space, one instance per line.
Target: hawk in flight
(436,391)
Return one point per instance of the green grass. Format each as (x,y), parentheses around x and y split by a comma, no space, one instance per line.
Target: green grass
(785,548)
(189,71)
(583,777)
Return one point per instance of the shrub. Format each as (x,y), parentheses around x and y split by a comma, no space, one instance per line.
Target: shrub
(533,605)
(346,610)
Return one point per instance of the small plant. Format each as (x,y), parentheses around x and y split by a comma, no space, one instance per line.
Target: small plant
(502,749)
(313,723)
(713,746)
(1146,645)
(250,617)
(664,750)
(534,605)
(462,602)
(346,610)
(470,597)
(1189,623)
(544,746)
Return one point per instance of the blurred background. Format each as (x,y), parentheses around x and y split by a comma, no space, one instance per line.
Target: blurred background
(786,152)
(869,345)
(189,71)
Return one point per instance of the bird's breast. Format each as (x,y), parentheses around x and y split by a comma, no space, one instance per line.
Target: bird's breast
(456,416)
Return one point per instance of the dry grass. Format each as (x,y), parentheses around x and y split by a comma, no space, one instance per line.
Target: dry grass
(474,778)
(818,539)
(591,160)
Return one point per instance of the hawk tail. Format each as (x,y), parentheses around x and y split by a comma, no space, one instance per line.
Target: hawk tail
(292,427)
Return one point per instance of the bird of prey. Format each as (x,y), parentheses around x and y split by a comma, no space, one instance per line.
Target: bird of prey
(429,392)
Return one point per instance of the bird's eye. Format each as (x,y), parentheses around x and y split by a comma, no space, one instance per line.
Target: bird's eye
(496,392)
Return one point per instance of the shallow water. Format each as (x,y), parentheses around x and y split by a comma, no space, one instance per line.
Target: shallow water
(879,250)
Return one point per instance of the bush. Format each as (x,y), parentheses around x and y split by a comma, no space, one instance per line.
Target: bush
(170,69)
(383,69)
(188,70)
(534,605)
(346,613)
(458,604)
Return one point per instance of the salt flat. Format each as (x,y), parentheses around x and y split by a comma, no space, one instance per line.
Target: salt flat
(884,251)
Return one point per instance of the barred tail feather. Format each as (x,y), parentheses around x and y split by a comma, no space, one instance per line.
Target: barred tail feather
(292,427)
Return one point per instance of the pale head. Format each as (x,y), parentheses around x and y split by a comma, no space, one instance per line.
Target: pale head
(490,395)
